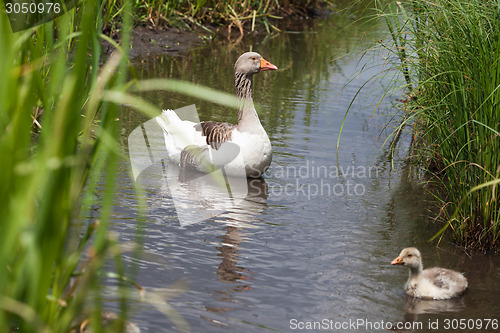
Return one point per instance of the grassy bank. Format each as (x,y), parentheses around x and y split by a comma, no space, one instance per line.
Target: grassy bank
(240,15)
(448,52)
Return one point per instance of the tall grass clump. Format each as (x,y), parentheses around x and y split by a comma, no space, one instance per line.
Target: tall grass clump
(448,53)
(59,152)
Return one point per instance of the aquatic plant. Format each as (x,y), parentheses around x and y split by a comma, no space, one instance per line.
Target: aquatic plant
(448,54)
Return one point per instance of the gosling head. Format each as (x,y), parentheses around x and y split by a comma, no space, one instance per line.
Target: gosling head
(409,257)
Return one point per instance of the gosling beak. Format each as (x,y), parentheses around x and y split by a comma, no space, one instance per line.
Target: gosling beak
(266,65)
(397,261)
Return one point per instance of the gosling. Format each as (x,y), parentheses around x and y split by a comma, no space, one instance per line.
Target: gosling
(431,283)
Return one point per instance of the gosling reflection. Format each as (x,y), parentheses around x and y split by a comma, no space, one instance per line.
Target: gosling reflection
(416,306)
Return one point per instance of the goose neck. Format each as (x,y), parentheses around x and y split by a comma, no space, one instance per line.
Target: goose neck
(247,116)
(416,270)
(243,85)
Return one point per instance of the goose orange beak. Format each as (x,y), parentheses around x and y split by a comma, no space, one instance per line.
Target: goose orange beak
(266,65)
(397,261)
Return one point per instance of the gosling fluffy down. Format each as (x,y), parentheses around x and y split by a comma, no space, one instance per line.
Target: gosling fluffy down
(431,283)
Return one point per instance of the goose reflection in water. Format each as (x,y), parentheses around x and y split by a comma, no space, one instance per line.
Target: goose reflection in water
(238,222)
(237,219)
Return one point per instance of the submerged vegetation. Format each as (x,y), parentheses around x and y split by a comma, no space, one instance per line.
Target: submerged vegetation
(448,53)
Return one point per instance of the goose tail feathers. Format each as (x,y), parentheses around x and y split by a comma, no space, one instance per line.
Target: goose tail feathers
(167,122)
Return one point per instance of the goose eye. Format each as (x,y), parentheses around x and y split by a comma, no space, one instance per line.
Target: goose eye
(253,58)
(410,255)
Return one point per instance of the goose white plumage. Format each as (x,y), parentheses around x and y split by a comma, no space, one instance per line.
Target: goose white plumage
(431,283)
(242,149)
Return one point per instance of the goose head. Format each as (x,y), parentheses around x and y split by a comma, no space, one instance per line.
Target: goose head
(250,63)
(411,258)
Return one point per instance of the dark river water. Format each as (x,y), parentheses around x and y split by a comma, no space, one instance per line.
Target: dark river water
(309,245)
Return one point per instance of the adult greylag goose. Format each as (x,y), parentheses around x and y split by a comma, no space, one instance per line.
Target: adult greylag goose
(242,149)
(431,283)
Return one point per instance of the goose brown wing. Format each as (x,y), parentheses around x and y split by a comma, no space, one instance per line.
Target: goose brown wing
(216,132)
